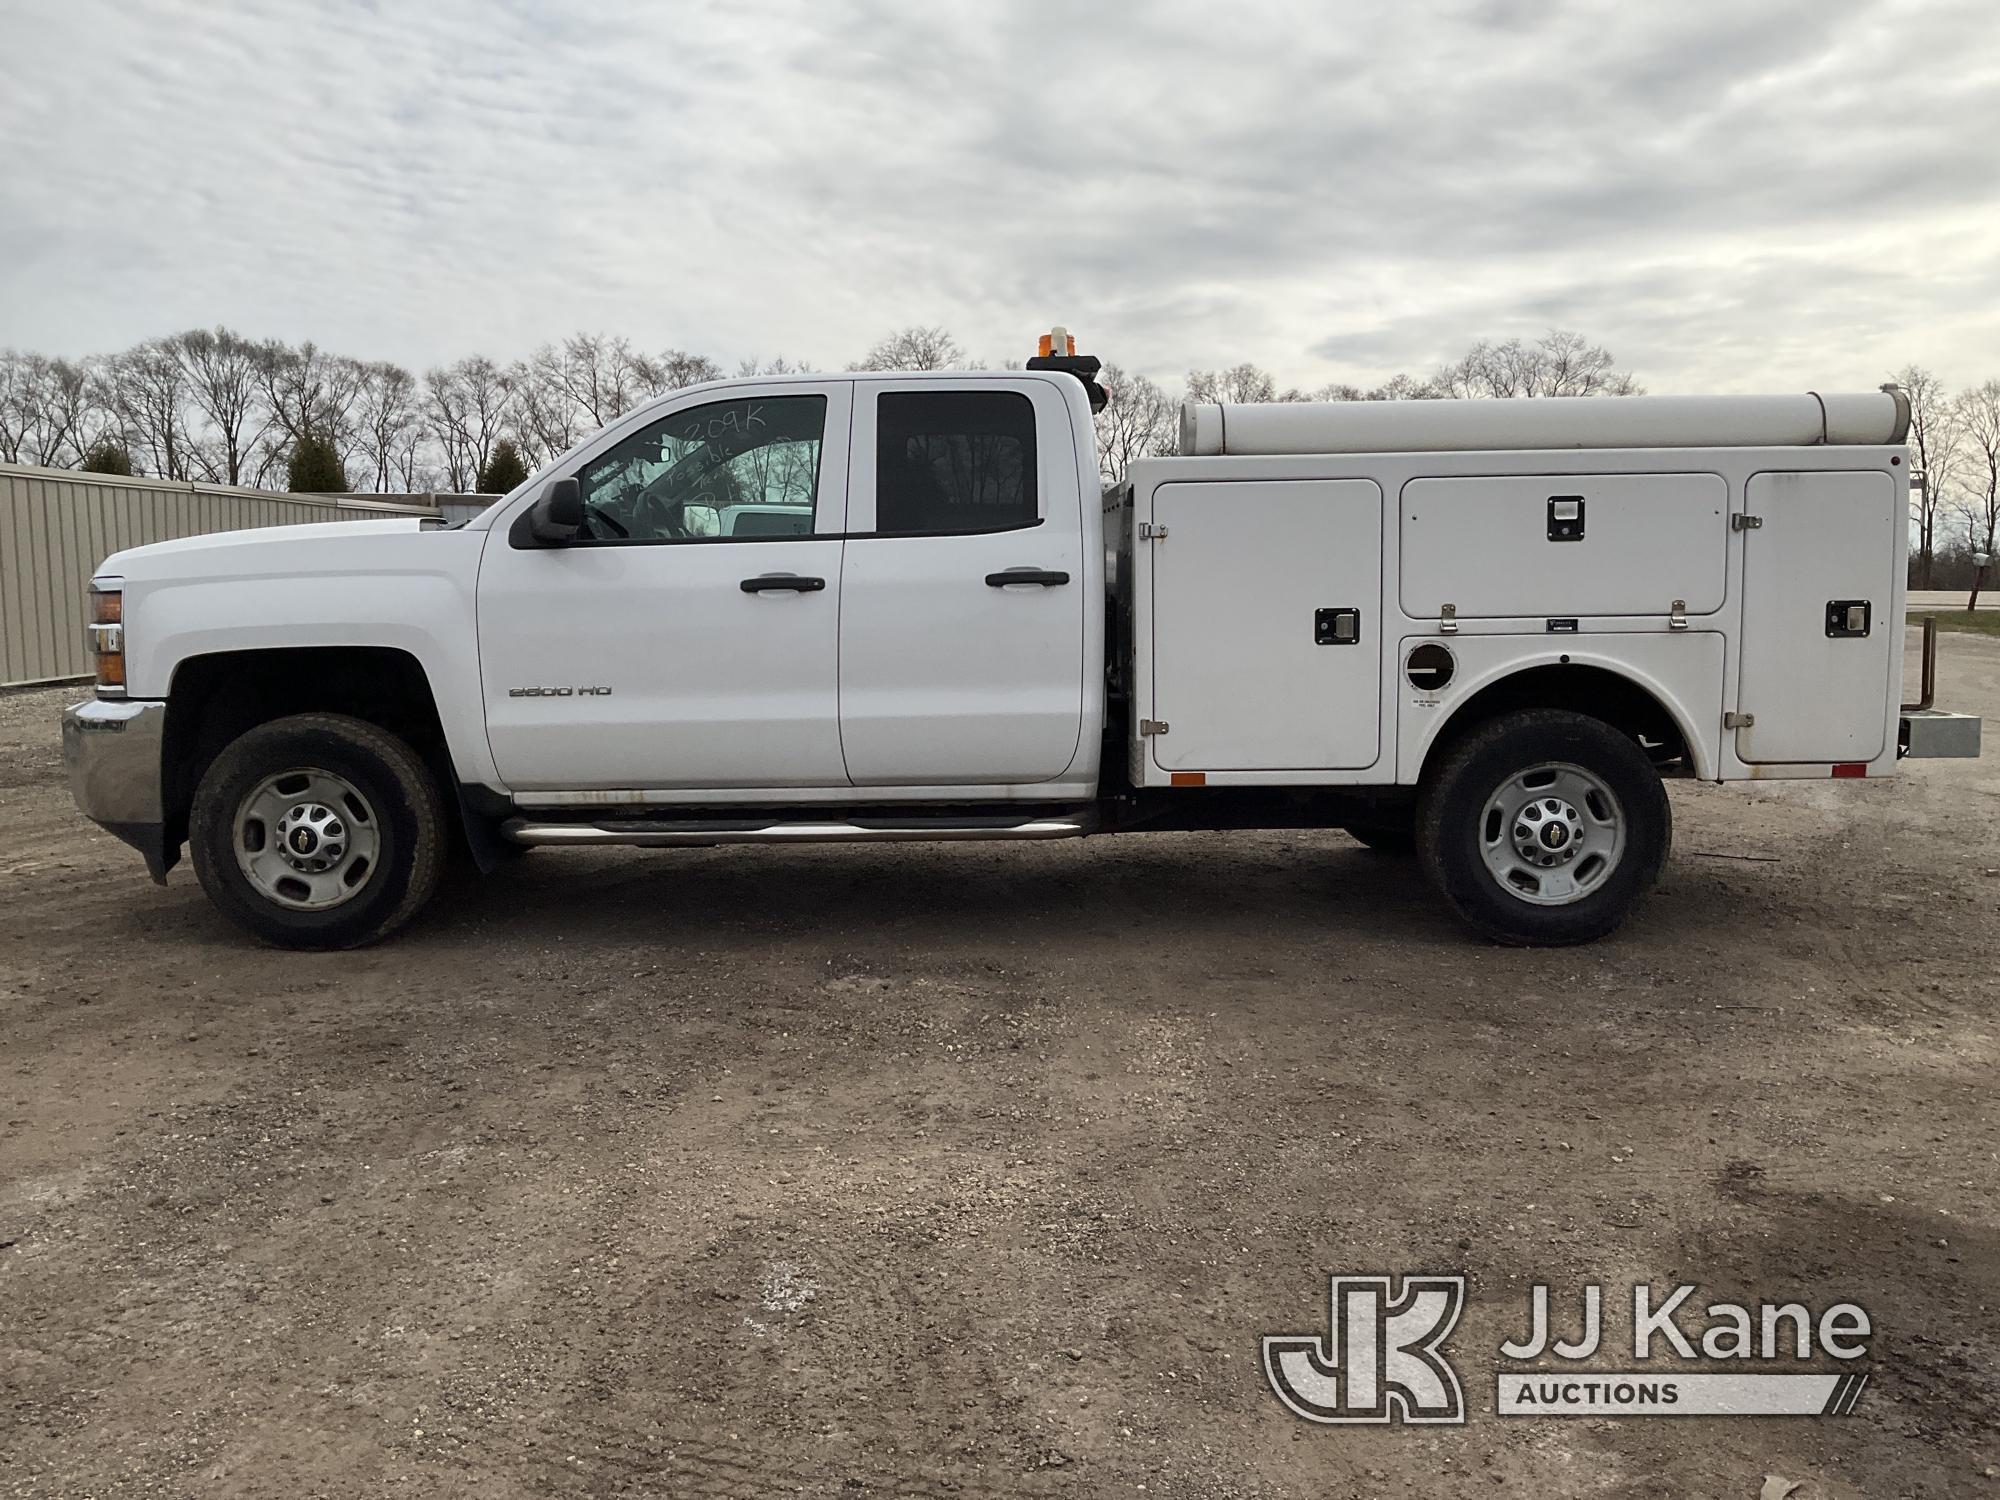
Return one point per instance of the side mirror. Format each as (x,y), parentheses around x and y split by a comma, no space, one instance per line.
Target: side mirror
(557,515)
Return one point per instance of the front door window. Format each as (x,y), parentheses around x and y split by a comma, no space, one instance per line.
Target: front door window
(729,470)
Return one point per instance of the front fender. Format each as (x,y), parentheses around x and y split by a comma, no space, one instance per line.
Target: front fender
(407,591)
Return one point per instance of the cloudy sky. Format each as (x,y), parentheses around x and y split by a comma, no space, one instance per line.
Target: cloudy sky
(1731,194)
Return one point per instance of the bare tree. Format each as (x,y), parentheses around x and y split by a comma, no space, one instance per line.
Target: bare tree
(221,368)
(918,347)
(602,377)
(1978,413)
(14,404)
(545,418)
(150,388)
(677,369)
(466,408)
(1138,421)
(386,422)
(52,411)
(1560,363)
(1239,385)
(308,390)
(1937,435)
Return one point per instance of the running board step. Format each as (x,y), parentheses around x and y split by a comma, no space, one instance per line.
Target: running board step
(654,833)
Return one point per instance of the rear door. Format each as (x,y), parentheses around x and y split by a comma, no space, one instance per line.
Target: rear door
(962,585)
(1818,592)
(1267,622)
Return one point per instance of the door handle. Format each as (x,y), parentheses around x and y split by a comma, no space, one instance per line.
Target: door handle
(767,582)
(1043,576)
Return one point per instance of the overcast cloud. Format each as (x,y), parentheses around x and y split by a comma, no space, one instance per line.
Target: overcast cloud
(1733,195)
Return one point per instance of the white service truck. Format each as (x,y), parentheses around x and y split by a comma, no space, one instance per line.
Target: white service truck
(863,607)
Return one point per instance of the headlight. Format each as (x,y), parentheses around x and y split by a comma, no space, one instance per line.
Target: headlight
(106,635)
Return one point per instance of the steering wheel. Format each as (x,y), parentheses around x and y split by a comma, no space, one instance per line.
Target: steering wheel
(664,514)
(599,513)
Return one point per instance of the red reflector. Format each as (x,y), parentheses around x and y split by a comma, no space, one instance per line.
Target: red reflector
(1188,778)
(1851,768)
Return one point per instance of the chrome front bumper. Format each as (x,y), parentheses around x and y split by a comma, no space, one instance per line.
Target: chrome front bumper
(112,751)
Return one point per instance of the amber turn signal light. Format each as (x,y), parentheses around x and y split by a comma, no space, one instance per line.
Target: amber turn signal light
(106,635)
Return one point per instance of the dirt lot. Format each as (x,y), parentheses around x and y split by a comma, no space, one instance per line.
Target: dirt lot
(957,1170)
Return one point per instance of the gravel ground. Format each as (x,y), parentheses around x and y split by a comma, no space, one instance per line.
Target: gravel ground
(971,1170)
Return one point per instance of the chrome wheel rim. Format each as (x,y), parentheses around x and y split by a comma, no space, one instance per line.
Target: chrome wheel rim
(307,840)
(1552,834)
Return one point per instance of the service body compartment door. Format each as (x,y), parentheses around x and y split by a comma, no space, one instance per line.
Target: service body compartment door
(1564,545)
(1267,621)
(1820,648)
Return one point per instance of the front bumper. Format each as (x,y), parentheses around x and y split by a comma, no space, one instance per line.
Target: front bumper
(112,751)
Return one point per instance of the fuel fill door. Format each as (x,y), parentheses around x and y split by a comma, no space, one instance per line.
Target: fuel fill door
(1267,625)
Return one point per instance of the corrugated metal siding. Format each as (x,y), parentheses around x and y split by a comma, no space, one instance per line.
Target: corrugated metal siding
(56,526)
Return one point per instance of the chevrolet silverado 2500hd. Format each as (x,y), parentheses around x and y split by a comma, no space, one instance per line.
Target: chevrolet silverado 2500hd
(864,607)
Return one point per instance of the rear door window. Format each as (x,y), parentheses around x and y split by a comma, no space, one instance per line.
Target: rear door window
(950,462)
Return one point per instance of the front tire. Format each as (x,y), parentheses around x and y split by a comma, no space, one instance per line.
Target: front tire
(318,831)
(1544,828)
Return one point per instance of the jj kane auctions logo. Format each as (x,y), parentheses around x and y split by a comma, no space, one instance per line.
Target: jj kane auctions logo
(1382,1357)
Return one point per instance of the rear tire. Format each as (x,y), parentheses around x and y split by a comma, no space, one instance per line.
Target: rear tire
(318,831)
(1544,828)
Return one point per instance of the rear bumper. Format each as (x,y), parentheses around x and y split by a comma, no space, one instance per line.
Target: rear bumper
(112,751)
(1932,734)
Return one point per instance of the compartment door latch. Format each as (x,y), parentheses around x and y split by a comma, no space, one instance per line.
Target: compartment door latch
(1848,619)
(1336,627)
(1565,518)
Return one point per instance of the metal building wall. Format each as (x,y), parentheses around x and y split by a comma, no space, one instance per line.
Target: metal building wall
(57,525)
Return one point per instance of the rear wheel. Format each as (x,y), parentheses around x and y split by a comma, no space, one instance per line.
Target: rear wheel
(318,831)
(1544,827)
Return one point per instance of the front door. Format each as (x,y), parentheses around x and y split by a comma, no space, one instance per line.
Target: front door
(691,639)
(963,588)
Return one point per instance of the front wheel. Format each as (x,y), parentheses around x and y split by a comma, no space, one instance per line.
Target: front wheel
(318,831)
(1544,827)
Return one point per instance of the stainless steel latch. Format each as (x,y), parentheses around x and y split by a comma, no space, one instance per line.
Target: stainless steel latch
(1677,617)
(1152,726)
(1448,619)
(1148,532)
(1734,720)
(1745,523)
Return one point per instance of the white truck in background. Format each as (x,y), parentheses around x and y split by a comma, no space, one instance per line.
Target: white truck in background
(864,607)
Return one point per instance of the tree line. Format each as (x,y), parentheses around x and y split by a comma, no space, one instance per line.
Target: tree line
(1955,446)
(1142,419)
(217,406)
(221,407)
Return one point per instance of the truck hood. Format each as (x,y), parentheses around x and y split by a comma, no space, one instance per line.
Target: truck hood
(265,550)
